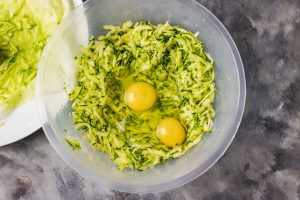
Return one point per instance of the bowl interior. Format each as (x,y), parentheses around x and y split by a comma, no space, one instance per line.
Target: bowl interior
(56,75)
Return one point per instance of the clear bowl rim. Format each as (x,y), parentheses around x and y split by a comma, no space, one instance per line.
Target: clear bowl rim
(190,175)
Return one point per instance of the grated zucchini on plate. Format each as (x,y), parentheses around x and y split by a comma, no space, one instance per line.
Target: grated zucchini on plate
(25,26)
(171,59)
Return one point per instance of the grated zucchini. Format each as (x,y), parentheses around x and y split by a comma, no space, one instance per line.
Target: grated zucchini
(25,26)
(170,58)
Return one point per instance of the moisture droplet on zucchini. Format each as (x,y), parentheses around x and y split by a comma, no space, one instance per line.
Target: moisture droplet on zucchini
(169,58)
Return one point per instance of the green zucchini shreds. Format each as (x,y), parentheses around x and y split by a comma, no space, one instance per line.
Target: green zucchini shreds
(170,58)
(25,26)
(73,143)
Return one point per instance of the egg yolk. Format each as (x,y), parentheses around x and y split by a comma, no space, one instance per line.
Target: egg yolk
(140,96)
(170,132)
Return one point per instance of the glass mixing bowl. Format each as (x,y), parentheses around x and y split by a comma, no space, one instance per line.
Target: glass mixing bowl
(56,76)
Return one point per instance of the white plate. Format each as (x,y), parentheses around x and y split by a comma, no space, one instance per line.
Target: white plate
(24,120)
(20,123)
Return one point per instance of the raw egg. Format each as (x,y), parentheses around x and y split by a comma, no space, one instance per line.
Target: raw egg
(170,132)
(140,96)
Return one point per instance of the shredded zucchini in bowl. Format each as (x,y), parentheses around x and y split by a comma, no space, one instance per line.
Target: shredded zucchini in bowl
(170,58)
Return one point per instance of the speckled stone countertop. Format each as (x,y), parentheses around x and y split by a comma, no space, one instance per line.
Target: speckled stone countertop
(267,165)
